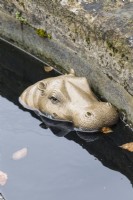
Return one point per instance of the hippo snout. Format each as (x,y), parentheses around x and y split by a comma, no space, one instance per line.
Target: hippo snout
(95,117)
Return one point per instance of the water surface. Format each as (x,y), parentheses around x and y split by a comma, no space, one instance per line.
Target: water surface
(55,168)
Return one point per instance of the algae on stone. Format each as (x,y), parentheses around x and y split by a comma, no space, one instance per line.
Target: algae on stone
(42,33)
(19,17)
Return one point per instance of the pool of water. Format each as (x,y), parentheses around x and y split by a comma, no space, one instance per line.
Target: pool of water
(54,168)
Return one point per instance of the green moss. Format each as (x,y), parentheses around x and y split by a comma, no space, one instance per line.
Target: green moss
(19,17)
(42,33)
(111,46)
(88,40)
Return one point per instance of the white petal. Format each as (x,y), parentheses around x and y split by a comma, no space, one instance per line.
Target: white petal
(19,154)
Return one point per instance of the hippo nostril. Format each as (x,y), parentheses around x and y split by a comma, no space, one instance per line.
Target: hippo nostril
(42,93)
(88,114)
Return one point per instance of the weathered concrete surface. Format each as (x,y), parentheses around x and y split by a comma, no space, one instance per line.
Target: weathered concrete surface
(93,37)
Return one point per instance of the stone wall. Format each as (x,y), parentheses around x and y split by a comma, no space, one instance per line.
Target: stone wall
(93,37)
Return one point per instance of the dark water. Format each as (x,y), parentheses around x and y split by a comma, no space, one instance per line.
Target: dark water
(69,167)
(55,168)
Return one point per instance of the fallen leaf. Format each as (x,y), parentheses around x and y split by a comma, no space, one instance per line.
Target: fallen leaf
(3,178)
(106,130)
(48,68)
(128,146)
(19,154)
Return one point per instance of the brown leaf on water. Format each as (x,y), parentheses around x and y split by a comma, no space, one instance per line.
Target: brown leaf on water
(106,130)
(3,178)
(19,154)
(128,146)
(48,68)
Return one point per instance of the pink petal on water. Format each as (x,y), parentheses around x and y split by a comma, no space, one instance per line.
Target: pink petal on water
(19,154)
(3,178)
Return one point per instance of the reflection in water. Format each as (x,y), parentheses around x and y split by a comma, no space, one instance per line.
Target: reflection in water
(62,128)
(55,168)
(59,128)
(106,148)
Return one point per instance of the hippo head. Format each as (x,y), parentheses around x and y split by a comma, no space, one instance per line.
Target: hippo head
(69,98)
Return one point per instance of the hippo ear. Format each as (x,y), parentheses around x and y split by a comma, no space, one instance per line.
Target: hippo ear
(41,86)
(72,72)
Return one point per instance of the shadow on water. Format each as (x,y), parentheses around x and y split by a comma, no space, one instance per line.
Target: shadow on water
(19,70)
(104,147)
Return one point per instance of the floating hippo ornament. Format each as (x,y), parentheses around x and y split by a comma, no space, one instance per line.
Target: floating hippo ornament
(69,98)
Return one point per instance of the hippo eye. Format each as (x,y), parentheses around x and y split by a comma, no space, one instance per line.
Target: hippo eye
(54,100)
(88,114)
